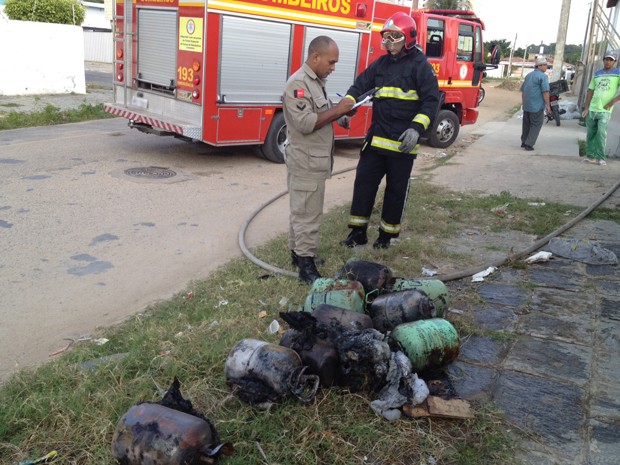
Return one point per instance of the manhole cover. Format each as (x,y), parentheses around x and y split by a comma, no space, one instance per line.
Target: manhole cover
(150,172)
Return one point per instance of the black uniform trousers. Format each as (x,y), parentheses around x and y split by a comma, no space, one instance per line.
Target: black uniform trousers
(371,169)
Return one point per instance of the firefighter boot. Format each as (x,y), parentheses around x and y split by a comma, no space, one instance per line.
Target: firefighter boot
(357,236)
(383,241)
(295,259)
(307,269)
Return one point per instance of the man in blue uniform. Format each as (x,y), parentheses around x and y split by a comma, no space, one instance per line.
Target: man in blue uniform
(405,101)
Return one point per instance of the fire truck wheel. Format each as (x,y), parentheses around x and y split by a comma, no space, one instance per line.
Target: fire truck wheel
(445,129)
(273,147)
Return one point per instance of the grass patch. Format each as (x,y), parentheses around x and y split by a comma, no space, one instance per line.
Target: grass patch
(51,115)
(582,147)
(73,408)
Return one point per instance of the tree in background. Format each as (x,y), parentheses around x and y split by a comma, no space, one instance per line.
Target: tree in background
(48,11)
(448,4)
(503,44)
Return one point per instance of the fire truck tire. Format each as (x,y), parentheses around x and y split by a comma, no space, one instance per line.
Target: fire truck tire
(445,129)
(273,147)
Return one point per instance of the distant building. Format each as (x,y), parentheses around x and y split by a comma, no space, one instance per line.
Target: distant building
(95,19)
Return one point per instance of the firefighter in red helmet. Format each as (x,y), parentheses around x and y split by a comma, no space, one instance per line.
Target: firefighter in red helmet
(406,99)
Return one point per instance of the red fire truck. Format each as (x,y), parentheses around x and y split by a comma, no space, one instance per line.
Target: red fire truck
(214,70)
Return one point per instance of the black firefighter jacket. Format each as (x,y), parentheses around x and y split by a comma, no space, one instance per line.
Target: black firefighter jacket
(407,96)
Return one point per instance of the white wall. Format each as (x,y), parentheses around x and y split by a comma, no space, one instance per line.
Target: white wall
(46,59)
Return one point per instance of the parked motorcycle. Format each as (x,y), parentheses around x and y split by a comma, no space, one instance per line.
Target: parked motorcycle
(555,89)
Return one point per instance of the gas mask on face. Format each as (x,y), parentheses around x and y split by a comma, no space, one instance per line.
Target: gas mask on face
(393,42)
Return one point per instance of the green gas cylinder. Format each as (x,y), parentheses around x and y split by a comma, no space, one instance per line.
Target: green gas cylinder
(435,289)
(341,293)
(428,343)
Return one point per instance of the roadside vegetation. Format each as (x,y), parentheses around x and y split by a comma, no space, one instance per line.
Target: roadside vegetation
(73,403)
(12,118)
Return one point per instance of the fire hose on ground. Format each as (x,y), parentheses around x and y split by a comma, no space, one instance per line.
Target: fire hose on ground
(449,277)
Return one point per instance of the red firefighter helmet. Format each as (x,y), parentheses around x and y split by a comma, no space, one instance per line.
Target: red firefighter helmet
(402,22)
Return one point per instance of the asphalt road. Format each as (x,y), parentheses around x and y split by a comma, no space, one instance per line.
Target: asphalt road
(102,79)
(84,245)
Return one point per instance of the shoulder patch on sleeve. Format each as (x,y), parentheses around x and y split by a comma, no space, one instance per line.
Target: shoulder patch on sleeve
(299,93)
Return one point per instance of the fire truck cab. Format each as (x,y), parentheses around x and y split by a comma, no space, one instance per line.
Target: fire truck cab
(214,71)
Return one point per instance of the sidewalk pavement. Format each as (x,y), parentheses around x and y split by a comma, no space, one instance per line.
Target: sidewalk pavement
(557,373)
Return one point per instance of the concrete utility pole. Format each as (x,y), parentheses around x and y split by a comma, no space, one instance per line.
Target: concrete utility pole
(558,58)
(512,49)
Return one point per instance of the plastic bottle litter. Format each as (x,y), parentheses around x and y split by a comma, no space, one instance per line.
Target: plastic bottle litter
(479,277)
(541,256)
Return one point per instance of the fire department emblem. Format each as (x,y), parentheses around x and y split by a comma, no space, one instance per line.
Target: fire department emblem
(191,26)
(463,71)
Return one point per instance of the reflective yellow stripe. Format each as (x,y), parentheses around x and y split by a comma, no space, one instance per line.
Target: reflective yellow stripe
(388,144)
(351,97)
(358,220)
(390,228)
(396,92)
(422,119)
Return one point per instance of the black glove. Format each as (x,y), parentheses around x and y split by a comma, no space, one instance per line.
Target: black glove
(409,140)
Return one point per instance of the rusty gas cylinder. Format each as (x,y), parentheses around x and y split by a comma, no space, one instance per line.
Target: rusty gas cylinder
(347,319)
(337,292)
(374,277)
(389,310)
(265,372)
(435,289)
(151,434)
(428,343)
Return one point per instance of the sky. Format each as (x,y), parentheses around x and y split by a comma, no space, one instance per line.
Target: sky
(532,21)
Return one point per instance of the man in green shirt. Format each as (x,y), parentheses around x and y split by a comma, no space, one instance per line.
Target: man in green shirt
(601,97)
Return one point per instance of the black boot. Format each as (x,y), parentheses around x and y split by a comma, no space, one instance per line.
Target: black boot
(383,241)
(295,259)
(307,269)
(357,236)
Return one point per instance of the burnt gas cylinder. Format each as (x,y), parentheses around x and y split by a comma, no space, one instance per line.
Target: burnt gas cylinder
(265,372)
(322,360)
(428,343)
(390,310)
(337,292)
(373,276)
(151,434)
(435,289)
(346,319)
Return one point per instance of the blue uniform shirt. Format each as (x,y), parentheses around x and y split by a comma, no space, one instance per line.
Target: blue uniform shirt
(533,87)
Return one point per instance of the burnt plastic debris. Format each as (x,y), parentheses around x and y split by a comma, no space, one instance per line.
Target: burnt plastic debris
(428,343)
(374,277)
(364,358)
(338,292)
(390,310)
(166,433)
(262,373)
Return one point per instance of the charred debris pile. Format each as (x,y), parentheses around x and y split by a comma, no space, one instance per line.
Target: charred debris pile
(363,330)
